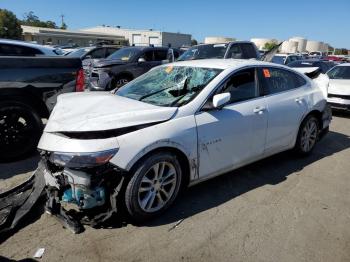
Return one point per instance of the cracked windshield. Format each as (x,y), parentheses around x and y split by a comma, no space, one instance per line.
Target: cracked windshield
(169,86)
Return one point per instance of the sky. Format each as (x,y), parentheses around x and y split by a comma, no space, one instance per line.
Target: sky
(320,20)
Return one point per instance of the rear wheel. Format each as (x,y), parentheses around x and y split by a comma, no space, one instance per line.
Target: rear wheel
(154,186)
(20,130)
(307,136)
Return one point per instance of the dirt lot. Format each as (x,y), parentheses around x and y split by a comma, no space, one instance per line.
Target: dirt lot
(279,209)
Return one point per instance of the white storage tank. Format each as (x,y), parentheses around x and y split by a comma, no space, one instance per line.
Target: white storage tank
(313,46)
(218,39)
(301,43)
(289,47)
(261,42)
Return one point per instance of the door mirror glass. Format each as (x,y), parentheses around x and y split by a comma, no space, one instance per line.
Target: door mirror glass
(141,60)
(220,100)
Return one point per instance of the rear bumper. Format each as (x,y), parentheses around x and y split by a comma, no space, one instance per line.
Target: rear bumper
(326,117)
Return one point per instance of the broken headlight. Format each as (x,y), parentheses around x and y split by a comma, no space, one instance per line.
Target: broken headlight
(78,160)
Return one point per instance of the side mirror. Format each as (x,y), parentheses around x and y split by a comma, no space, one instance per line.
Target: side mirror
(141,60)
(221,100)
(171,55)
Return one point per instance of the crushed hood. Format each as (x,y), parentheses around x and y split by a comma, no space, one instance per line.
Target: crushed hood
(98,111)
(339,87)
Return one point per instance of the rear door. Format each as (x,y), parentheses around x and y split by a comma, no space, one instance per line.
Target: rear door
(286,98)
(234,135)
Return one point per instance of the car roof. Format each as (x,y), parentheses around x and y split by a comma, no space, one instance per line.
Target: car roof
(221,63)
(27,44)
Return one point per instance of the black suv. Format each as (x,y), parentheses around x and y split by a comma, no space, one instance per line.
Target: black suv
(126,64)
(236,50)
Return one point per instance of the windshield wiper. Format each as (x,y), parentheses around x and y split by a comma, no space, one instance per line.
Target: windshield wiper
(193,89)
(182,91)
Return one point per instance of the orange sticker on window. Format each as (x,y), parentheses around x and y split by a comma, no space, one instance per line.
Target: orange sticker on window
(266,72)
(169,69)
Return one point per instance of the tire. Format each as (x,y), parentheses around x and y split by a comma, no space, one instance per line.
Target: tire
(307,136)
(20,130)
(145,198)
(119,81)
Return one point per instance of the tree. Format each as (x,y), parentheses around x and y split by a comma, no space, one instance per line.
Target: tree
(32,20)
(194,42)
(64,26)
(270,45)
(10,26)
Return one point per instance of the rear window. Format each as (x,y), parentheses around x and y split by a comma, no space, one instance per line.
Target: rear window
(276,80)
(17,50)
(204,52)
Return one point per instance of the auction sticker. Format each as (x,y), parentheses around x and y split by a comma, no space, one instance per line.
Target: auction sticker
(266,73)
(169,69)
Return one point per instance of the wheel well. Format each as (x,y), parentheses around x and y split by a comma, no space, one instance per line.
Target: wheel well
(28,99)
(318,115)
(124,74)
(184,163)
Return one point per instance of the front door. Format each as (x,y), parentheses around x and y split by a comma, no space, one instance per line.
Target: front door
(234,135)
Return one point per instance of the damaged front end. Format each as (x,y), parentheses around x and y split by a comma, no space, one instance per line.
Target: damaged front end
(85,183)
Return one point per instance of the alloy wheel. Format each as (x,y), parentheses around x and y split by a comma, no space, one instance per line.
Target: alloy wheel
(309,135)
(157,186)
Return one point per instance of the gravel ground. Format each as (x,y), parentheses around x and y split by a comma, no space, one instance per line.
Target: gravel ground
(280,209)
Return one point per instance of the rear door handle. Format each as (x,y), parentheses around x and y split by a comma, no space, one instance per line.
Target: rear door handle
(259,110)
(299,100)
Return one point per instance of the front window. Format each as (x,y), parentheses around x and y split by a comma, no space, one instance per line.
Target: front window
(204,52)
(124,54)
(339,72)
(169,86)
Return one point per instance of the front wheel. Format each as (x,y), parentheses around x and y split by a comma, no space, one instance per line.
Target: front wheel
(307,136)
(20,130)
(154,186)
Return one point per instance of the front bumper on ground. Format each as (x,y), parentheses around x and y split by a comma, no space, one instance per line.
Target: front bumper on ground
(339,103)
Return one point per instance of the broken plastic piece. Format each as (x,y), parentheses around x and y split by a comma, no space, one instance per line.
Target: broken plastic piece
(39,253)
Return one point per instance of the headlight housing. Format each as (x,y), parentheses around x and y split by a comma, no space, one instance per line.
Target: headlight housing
(79,160)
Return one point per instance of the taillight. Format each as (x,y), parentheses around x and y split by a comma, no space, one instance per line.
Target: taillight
(80,81)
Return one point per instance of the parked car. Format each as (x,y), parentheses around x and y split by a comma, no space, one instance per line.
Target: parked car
(175,126)
(317,54)
(339,86)
(29,87)
(236,49)
(284,59)
(324,65)
(21,48)
(124,65)
(93,52)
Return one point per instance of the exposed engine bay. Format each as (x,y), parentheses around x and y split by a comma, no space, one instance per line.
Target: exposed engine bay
(75,196)
(92,190)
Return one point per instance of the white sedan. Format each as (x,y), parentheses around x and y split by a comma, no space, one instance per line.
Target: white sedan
(175,126)
(339,86)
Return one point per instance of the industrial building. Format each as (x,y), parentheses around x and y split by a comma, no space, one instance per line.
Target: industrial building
(144,37)
(51,36)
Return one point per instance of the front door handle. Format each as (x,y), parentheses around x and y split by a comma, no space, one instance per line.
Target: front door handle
(259,110)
